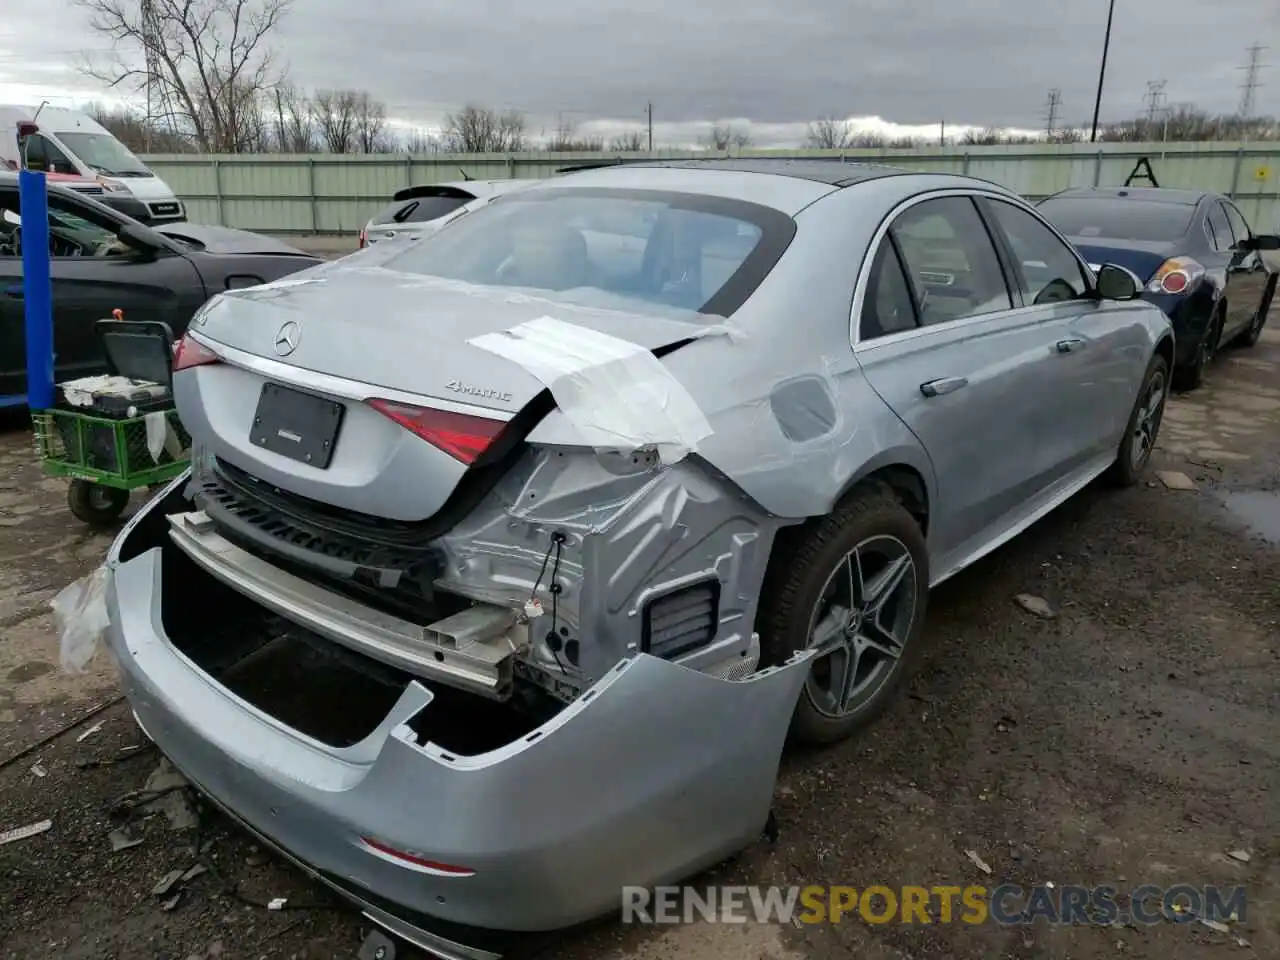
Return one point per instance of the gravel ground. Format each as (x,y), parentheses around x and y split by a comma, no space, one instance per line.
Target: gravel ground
(1131,738)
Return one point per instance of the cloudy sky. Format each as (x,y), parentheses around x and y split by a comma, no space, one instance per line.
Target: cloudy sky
(773,64)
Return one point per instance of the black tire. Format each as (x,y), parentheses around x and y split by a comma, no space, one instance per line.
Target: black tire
(1191,376)
(802,571)
(1133,455)
(96,504)
(1253,333)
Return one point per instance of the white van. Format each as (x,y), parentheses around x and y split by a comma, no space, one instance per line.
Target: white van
(62,141)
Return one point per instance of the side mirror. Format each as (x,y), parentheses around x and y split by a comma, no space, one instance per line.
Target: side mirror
(1117,283)
(12,218)
(1260,242)
(141,239)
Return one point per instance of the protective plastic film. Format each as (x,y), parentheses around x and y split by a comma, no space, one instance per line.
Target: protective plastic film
(618,394)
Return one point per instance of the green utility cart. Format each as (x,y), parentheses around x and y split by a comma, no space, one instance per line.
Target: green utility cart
(113,434)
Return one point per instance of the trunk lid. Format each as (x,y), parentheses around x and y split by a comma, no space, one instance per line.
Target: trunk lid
(1141,257)
(349,336)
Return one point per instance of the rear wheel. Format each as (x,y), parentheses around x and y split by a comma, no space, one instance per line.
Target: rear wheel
(95,504)
(1144,425)
(1253,332)
(1191,376)
(854,587)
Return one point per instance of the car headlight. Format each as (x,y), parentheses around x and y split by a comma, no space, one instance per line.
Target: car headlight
(112,186)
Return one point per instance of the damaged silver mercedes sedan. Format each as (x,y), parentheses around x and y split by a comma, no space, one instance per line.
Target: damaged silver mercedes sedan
(508,559)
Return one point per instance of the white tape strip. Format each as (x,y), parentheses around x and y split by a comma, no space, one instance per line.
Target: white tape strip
(618,394)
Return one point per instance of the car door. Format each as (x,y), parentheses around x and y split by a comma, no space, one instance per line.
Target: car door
(1250,283)
(93,272)
(974,377)
(1101,347)
(13,357)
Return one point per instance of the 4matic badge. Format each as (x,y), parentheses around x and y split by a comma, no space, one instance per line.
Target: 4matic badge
(484,393)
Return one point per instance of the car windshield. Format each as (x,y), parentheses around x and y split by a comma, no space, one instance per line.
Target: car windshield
(421,209)
(104,153)
(609,248)
(1118,219)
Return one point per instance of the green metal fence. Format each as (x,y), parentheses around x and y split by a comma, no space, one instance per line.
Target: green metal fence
(328,194)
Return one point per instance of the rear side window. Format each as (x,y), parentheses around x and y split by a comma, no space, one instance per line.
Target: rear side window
(421,209)
(1239,228)
(1117,218)
(1219,228)
(887,306)
(950,260)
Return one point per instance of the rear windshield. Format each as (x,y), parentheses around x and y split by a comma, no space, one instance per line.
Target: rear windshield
(611,248)
(421,209)
(1118,219)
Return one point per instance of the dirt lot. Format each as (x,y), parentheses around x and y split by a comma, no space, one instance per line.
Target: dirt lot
(1132,738)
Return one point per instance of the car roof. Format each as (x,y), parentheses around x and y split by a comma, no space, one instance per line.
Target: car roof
(1186,198)
(835,172)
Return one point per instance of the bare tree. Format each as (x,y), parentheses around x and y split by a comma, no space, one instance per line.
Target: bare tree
(334,113)
(828,133)
(295,121)
(475,129)
(212,62)
(130,128)
(723,136)
(631,142)
(565,139)
(419,141)
(371,123)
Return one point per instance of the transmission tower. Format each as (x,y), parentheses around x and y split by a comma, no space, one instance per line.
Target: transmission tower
(1154,99)
(1054,105)
(1251,82)
(151,51)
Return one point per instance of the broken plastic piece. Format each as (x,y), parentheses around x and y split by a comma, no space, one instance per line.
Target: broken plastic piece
(277,903)
(80,616)
(166,883)
(22,833)
(89,732)
(617,393)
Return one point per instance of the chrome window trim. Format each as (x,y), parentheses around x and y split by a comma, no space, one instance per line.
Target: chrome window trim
(338,386)
(873,248)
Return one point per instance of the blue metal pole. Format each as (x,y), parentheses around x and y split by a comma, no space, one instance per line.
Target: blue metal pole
(37,288)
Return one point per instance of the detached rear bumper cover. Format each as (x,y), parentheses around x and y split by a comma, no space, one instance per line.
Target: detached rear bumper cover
(654,773)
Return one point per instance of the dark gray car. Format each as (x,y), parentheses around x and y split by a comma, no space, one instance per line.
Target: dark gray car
(103,260)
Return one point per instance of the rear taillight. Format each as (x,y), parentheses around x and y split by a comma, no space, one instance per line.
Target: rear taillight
(1176,275)
(460,435)
(190,353)
(364,236)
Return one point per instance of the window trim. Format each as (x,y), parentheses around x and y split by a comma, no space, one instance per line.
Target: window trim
(1015,278)
(882,229)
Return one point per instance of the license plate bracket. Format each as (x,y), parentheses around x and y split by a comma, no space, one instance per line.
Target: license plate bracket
(297,425)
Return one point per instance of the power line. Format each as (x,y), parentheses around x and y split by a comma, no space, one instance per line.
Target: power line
(1055,104)
(1251,82)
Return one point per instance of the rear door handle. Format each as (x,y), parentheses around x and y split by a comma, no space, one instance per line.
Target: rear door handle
(1070,346)
(14,291)
(936,388)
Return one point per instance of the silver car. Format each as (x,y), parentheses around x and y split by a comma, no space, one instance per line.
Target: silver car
(416,211)
(506,563)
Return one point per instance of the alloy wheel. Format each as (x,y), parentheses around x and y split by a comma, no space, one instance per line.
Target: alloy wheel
(1147,425)
(860,625)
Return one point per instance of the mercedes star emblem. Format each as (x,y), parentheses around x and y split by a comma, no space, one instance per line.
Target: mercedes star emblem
(287,338)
